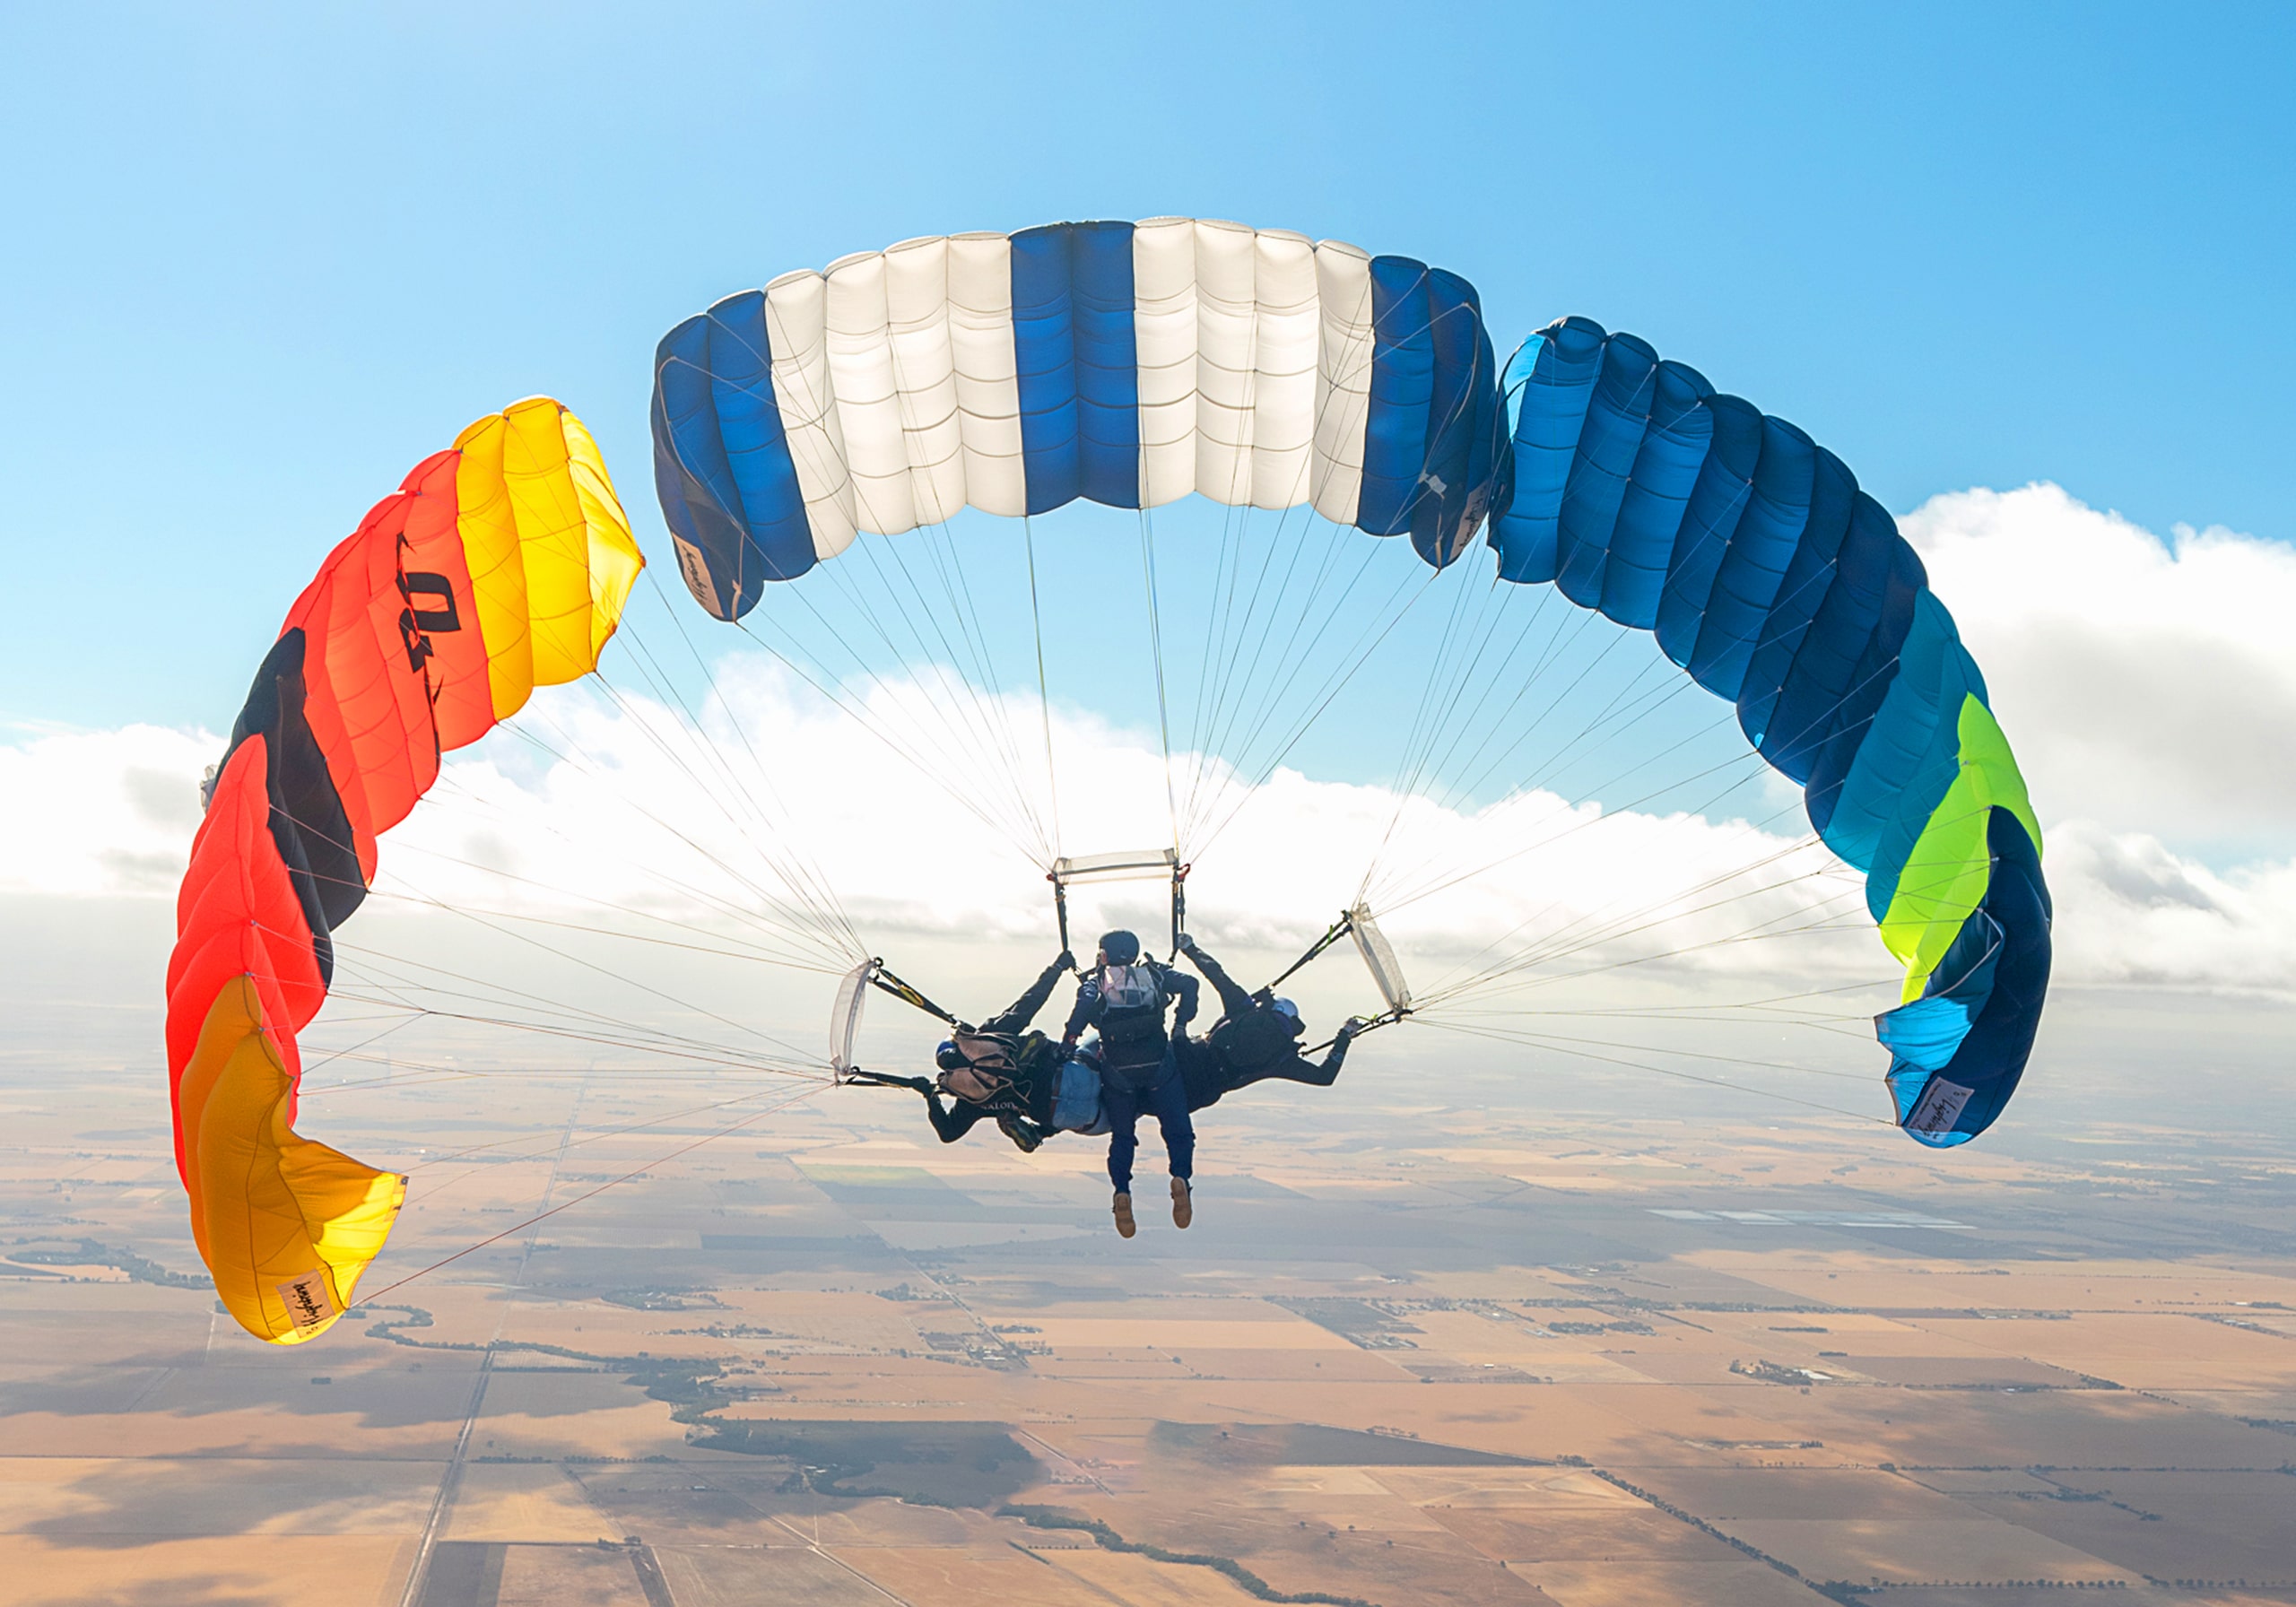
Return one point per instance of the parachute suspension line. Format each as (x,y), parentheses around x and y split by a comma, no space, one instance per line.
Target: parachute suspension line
(1512,972)
(1156,654)
(1555,760)
(1235,521)
(989,712)
(777,922)
(592,1194)
(816,917)
(1029,834)
(1333,683)
(538,1014)
(1499,966)
(1754,765)
(1240,677)
(1044,705)
(941,763)
(937,773)
(601,1027)
(1299,730)
(981,730)
(502,931)
(1412,759)
(960,599)
(1561,1047)
(1209,737)
(793,908)
(814,876)
(748,947)
(417,895)
(594,1134)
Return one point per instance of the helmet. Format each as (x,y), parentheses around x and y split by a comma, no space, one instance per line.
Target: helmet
(1290,1013)
(949,1057)
(1120,948)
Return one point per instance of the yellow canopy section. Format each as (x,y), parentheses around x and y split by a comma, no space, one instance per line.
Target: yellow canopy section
(552,560)
(304,1220)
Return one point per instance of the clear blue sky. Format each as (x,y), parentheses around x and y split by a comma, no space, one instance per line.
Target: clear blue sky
(260,260)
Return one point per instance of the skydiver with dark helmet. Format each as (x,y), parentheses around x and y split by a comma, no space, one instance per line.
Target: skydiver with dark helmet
(1124,997)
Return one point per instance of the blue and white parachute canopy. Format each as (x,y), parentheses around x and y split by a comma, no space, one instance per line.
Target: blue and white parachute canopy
(1133,364)
(1125,364)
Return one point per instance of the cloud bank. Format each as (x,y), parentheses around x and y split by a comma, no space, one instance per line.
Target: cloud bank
(2149,686)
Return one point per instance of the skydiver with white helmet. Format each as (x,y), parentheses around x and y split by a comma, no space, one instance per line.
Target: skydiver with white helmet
(1256,1039)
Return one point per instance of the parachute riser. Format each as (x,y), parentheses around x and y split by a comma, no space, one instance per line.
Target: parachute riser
(871,974)
(885,982)
(1386,1017)
(1339,929)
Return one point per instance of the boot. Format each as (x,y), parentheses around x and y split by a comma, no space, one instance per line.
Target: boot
(1124,1225)
(1183,1202)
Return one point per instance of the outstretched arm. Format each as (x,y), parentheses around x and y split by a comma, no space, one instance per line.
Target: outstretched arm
(1023,1010)
(1087,1003)
(952,1122)
(1233,999)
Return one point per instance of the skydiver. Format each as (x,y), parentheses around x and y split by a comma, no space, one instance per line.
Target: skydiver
(1126,997)
(1256,1038)
(1000,1069)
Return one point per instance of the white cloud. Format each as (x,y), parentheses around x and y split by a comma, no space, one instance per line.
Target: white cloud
(2149,688)
(2109,652)
(2147,685)
(99,811)
(2131,912)
(612,808)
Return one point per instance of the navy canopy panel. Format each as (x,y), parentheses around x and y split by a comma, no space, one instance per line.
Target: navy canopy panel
(1119,363)
(1775,582)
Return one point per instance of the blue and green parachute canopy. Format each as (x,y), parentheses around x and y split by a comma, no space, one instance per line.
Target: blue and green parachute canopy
(1132,365)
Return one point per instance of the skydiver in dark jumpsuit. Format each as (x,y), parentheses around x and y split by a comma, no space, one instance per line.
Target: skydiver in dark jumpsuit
(1256,1038)
(1002,1070)
(1124,997)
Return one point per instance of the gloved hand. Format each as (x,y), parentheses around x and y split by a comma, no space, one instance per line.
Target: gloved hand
(1187,946)
(1353,1025)
(1068,961)
(924,1085)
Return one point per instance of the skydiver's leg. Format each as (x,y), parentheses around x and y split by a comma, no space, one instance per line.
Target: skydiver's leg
(1122,1108)
(1169,1100)
(1233,999)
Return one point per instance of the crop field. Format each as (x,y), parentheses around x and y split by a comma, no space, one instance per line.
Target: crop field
(1407,1354)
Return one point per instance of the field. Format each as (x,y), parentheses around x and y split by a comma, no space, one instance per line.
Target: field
(1423,1345)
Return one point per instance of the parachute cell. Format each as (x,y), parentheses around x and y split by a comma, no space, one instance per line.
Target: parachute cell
(499,565)
(1125,364)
